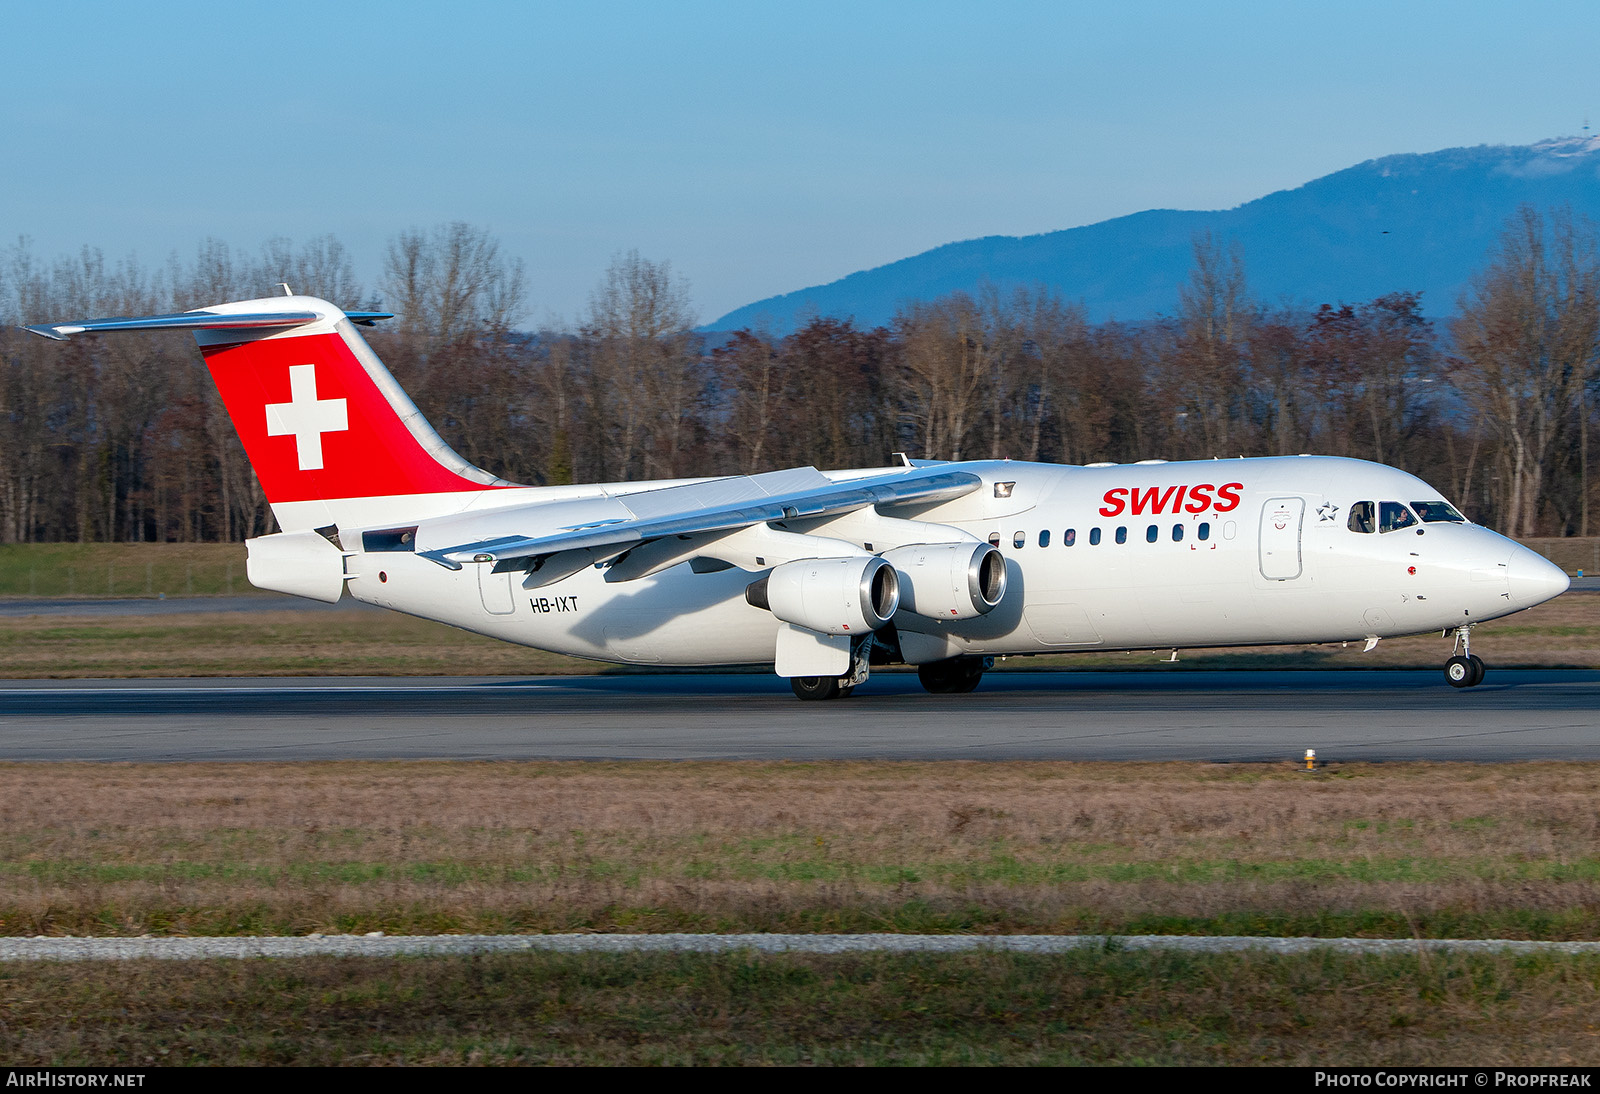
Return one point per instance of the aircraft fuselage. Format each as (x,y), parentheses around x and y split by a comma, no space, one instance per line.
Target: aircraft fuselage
(1136,556)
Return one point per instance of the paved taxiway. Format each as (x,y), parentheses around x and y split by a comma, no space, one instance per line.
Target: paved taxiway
(1161,714)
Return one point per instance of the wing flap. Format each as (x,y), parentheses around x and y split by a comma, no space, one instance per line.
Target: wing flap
(722,493)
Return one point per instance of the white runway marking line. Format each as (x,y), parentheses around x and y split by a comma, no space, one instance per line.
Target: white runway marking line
(122,949)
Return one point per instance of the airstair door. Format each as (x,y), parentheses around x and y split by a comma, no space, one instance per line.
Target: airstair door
(1280,538)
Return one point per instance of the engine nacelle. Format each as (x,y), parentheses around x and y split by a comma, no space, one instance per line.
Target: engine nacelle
(949,580)
(834,596)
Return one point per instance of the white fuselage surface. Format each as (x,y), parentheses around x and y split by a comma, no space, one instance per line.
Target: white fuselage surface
(1273,560)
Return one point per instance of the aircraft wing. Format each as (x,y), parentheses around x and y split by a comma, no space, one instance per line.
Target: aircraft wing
(719,506)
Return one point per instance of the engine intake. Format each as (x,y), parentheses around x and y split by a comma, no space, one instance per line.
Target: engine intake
(949,580)
(834,596)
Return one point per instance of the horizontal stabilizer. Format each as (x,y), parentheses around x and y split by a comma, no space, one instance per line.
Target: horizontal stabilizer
(195,320)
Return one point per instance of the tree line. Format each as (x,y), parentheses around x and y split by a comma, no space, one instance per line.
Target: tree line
(125,438)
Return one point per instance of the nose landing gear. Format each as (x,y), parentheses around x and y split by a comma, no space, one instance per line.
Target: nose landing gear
(1464,669)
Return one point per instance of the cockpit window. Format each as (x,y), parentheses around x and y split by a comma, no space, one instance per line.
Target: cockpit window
(1392,515)
(1438,512)
(1362,517)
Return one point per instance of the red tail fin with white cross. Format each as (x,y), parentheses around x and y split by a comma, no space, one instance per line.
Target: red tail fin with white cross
(327,428)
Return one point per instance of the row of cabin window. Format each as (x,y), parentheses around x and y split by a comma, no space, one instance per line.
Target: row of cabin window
(1069,538)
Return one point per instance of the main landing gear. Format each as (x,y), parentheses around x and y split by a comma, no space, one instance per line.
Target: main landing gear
(816,688)
(820,687)
(1464,669)
(957,676)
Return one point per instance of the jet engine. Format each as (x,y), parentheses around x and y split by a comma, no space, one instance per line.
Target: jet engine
(836,596)
(949,580)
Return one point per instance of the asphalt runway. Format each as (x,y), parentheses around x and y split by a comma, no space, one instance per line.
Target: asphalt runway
(1160,714)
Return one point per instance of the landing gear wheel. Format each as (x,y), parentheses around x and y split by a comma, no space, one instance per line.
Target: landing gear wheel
(816,687)
(1466,669)
(1461,672)
(956,676)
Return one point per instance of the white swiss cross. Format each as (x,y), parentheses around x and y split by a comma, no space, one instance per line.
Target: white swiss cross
(306,417)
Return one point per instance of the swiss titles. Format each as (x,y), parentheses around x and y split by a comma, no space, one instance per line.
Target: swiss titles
(1154,500)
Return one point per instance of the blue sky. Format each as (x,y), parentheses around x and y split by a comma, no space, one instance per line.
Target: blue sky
(758,147)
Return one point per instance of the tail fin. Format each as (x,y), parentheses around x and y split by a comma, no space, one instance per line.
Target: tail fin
(328,430)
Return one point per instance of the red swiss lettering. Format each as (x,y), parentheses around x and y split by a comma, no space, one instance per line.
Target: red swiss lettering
(1138,500)
(1149,499)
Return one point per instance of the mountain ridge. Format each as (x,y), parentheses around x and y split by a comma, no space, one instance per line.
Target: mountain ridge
(1419,222)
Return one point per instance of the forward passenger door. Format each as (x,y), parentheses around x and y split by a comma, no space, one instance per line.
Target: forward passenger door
(1280,538)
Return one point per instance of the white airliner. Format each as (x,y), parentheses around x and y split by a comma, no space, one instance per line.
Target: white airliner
(822,574)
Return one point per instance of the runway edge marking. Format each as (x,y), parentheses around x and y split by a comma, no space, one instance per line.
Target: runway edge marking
(104,949)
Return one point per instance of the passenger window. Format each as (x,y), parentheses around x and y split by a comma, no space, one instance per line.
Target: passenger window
(1438,512)
(1177,533)
(1094,537)
(1069,537)
(1044,538)
(994,539)
(1392,516)
(1151,534)
(1019,539)
(1122,535)
(1361,517)
(1204,531)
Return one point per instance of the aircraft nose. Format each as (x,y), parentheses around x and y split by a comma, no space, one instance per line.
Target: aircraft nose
(1534,579)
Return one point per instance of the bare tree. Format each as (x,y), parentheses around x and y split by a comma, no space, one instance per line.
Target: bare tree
(451,282)
(1216,316)
(320,267)
(1050,360)
(1528,338)
(753,376)
(453,346)
(645,372)
(948,354)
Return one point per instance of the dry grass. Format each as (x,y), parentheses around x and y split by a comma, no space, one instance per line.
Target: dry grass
(1385,850)
(123,569)
(1562,634)
(259,643)
(1097,1008)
